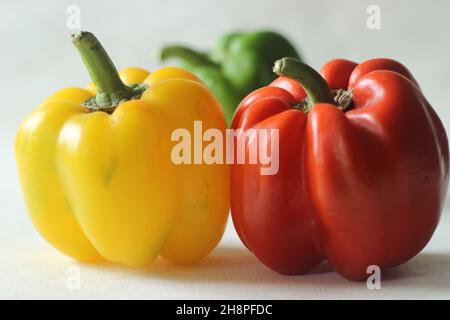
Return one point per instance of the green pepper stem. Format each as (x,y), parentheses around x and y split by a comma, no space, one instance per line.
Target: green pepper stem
(111,91)
(186,55)
(315,86)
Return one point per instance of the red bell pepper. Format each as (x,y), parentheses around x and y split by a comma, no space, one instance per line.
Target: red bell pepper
(363,168)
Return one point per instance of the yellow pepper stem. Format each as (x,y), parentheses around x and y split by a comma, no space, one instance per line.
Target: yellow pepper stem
(111,91)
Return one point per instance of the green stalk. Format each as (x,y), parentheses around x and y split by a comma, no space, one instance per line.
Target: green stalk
(111,91)
(315,86)
(187,55)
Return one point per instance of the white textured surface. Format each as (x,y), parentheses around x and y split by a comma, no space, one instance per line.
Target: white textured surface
(29,268)
(37,58)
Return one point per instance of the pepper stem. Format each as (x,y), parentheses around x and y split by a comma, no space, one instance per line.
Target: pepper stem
(187,55)
(315,86)
(111,91)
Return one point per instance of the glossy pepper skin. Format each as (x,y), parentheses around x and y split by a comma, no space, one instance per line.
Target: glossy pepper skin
(239,63)
(360,184)
(100,183)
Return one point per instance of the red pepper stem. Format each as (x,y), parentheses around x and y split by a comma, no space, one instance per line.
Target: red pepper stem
(315,86)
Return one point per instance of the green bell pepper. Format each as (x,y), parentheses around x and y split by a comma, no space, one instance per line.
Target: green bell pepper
(237,65)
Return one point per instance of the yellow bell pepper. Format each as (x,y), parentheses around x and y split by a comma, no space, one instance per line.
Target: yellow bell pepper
(96,171)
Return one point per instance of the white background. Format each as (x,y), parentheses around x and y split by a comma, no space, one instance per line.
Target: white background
(37,58)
